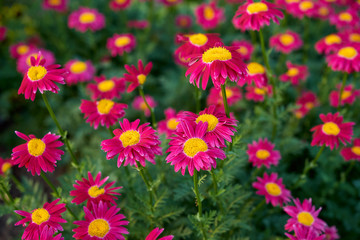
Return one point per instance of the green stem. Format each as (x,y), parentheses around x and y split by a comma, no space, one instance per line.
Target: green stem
(257,207)
(306,39)
(344,175)
(226,106)
(148,185)
(342,88)
(141,92)
(197,99)
(17,182)
(216,189)
(8,195)
(198,200)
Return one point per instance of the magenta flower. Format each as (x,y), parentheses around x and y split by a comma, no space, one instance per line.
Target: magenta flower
(306,102)
(48,234)
(79,71)
(302,233)
(233,95)
(331,233)
(295,73)
(348,95)
(137,76)
(57,5)
(139,104)
(244,48)
(208,16)
(183,21)
(86,19)
(154,234)
(117,5)
(286,42)
(345,19)
(19,49)
(120,43)
(258,94)
(169,125)
(5,165)
(107,88)
(23,63)
(263,153)
(346,59)
(352,153)
(256,73)
(329,44)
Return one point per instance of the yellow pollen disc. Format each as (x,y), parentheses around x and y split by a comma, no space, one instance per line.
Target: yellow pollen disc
(332,39)
(78,67)
(292,1)
(209,13)
(292,72)
(255,68)
(309,105)
(172,123)
(286,39)
(22,49)
(216,53)
(95,191)
(183,22)
(106,85)
(355,150)
(143,106)
(54,2)
(273,189)
(36,147)
(122,41)
(256,8)
(348,53)
(229,93)
(120,1)
(104,106)
(354,37)
(141,78)
(345,16)
(36,73)
(210,119)
(259,91)
(331,128)
(198,39)
(5,167)
(330,1)
(87,17)
(39,216)
(323,11)
(98,228)
(35,55)
(345,95)
(129,138)
(262,154)
(305,218)
(298,114)
(193,146)
(306,5)
(242,50)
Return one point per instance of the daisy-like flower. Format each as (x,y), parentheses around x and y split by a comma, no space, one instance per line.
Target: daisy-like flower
(263,153)
(352,153)
(90,190)
(304,214)
(295,73)
(273,189)
(104,112)
(3,31)
(219,63)
(190,149)
(137,76)
(48,234)
(154,234)
(219,129)
(302,232)
(138,24)
(37,154)
(233,95)
(345,19)
(331,233)
(170,3)
(5,165)
(348,95)
(208,16)
(133,143)
(253,15)
(57,5)
(332,131)
(329,43)
(19,49)
(47,216)
(352,36)
(258,94)
(256,73)
(306,102)
(183,21)
(244,48)
(304,8)
(101,223)
(79,71)
(139,104)
(286,42)
(107,88)
(120,43)
(86,18)
(168,126)
(117,5)
(23,63)
(346,59)
(323,11)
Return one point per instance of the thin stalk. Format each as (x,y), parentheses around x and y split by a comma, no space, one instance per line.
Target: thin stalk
(198,200)
(306,39)
(148,185)
(348,170)
(257,207)
(197,99)
(342,88)
(226,106)
(216,189)
(141,92)
(17,182)
(7,193)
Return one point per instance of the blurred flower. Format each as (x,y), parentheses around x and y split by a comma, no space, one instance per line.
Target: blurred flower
(169,3)
(23,63)
(117,5)
(101,223)
(323,11)
(133,143)
(154,234)
(253,15)
(48,234)
(302,232)
(306,102)
(190,149)
(208,16)
(304,8)
(183,21)
(331,233)
(19,49)
(349,153)
(273,189)
(332,131)
(345,19)
(168,126)
(104,112)
(79,71)
(258,94)
(3,31)
(347,97)
(5,165)
(286,42)
(57,5)
(329,43)
(137,76)
(120,43)
(138,24)
(38,219)
(263,153)
(86,18)
(245,49)
(256,73)
(107,88)
(295,73)
(352,36)
(233,95)
(346,59)
(139,104)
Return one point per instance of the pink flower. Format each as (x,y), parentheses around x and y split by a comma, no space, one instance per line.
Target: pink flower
(169,125)
(306,102)
(183,21)
(107,88)
(79,71)
(208,16)
(345,19)
(169,3)
(346,59)
(137,76)
(304,8)
(286,42)
(138,24)
(245,49)
(19,49)
(154,234)
(295,73)
(323,11)
(233,95)
(258,94)
(331,233)
(139,104)
(302,232)
(348,96)
(255,73)
(3,31)
(329,44)
(48,234)
(120,43)
(5,165)
(117,5)
(23,63)
(263,153)
(57,5)
(352,153)
(86,18)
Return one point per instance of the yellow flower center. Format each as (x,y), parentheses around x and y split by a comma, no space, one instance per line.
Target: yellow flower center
(87,17)
(141,78)
(98,228)
(36,147)
(306,5)
(292,72)
(35,55)
(122,41)
(305,218)
(330,1)
(210,119)
(229,93)
(143,106)
(309,105)
(104,106)
(262,154)
(120,1)
(216,53)
(242,50)
(193,146)
(39,216)
(345,95)
(54,2)
(22,49)
(5,167)
(106,85)
(332,38)
(95,191)
(292,1)
(345,16)
(172,123)
(286,39)
(259,91)
(129,138)
(331,128)
(356,150)
(298,114)
(198,39)
(255,68)
(354,37)
(36,73)
(348,53)
(323,11)
(273,189)
(256,8)
(78,67)
(209,13)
